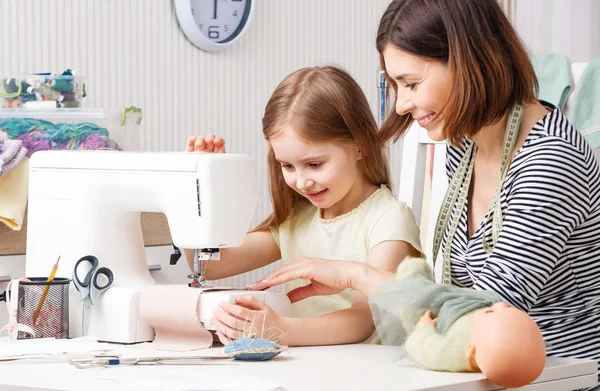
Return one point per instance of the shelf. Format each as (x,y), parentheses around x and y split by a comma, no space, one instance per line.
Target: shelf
(53,113)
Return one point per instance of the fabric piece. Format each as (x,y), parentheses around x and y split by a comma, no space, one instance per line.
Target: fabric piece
(172,310)
(11,147)
(585,106)
(347,237)
(3,135)
(397,306)
(553,72)
(14,162)
(13,195)
(1,146)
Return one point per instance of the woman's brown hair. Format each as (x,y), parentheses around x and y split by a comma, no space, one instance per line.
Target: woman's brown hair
(321,104)
(490,69)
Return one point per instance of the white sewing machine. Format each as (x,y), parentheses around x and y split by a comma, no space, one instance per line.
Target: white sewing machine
(89,203)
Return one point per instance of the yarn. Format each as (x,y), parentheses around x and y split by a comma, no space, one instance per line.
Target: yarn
(62,84)
(41,135)
(34,144)
(93,141)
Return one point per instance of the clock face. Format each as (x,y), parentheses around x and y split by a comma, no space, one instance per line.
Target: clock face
(221,20)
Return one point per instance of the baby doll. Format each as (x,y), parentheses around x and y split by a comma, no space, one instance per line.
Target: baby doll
(470,330)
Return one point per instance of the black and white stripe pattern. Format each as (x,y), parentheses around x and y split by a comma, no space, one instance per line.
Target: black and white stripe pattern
(547,259)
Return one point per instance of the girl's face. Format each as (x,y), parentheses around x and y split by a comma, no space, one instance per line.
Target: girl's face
(323,172)
(423,88)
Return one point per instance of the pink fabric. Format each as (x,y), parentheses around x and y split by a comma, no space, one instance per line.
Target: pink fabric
(172,310)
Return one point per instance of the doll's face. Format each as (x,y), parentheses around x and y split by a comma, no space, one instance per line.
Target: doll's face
(506,345)
(484,318)
(490,314)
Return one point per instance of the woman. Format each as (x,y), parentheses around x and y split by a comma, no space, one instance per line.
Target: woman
(522,214)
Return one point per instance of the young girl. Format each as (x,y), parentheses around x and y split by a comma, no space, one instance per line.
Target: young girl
(330,188)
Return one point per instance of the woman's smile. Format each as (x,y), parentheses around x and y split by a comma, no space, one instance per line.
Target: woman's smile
(426,120)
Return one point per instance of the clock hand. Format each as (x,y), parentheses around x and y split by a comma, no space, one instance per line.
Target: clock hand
(215,11)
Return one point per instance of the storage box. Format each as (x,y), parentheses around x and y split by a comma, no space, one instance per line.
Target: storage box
(59,129)
(42,91)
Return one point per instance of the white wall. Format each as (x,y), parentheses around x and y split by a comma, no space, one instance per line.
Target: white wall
(569,27)
(133,53)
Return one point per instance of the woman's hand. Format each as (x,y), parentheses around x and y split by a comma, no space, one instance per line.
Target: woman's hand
(210,143)
(248,317)
(326,277)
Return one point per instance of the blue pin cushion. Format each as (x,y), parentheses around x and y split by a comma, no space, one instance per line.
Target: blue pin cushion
(253,349)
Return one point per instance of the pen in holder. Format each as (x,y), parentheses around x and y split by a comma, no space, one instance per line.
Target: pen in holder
(53,316)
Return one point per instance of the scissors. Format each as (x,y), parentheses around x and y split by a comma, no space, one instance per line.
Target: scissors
(90,288)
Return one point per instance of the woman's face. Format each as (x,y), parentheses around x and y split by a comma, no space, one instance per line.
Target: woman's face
(423,88)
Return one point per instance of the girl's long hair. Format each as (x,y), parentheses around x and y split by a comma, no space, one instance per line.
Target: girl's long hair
(322,104)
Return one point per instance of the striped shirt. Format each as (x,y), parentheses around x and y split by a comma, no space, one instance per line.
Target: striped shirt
(547,258)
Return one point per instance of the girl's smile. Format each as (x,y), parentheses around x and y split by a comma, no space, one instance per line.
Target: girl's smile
(316,195)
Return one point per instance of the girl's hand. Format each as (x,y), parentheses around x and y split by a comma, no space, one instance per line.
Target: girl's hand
(210,143)
(248,317)
(426,319)
(326,277)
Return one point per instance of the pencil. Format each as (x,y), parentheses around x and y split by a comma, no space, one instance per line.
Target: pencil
(45,292)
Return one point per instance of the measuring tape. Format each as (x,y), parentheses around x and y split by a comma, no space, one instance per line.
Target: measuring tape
(12,300)
(456,196)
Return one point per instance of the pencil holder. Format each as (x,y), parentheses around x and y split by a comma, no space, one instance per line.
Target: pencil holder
(48,303)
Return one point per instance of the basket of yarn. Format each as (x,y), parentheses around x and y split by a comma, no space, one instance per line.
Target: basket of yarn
(75,133)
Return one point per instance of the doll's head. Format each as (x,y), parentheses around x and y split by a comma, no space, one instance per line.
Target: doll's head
(506,345)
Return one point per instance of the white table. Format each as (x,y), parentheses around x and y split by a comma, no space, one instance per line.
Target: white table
(346,367)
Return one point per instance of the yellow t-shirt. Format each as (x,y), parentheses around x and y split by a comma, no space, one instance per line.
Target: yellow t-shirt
(349,237)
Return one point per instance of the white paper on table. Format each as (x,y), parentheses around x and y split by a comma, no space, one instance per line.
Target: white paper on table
(49,346)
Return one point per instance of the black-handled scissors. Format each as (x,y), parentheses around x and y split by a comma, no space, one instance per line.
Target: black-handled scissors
(90,288)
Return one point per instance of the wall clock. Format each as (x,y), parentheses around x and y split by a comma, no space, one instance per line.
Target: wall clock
(213,25)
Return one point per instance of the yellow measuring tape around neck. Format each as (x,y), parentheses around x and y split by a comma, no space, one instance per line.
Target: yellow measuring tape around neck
(458,189)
